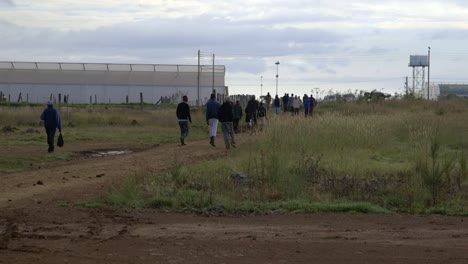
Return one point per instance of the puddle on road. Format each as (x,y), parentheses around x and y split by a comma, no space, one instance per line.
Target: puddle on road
(104,153)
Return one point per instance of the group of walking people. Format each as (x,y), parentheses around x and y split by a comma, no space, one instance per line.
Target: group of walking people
(229,114)
(292,103)
(215,113)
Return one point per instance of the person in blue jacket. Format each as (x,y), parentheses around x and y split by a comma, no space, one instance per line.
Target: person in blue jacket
(212,118)
(51,123)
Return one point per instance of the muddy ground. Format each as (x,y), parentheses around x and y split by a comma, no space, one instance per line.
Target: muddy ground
(35,227)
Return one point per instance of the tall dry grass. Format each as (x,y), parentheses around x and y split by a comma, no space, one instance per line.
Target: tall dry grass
(370,152)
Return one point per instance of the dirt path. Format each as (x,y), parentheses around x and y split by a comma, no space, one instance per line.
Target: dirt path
(34,229)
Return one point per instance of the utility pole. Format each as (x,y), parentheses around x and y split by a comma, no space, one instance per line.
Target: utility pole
(406,86)
(428,70)
(198,80)
(261,86)
(213,89)
(277,66)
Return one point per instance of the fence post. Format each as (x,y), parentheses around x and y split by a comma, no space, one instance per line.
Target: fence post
(141,100)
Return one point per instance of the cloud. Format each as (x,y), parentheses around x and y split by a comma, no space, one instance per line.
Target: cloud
(7,3)
(153,40)
(447,34)
(326,41)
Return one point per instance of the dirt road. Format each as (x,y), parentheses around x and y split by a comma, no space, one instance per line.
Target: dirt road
(35,229)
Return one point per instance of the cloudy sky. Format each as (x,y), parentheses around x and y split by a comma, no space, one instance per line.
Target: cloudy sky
(339,45)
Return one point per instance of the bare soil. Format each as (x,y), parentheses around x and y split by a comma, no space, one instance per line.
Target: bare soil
(34,228)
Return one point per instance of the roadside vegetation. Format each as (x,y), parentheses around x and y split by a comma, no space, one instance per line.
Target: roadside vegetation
(372,157)
(386,156)
(20,126)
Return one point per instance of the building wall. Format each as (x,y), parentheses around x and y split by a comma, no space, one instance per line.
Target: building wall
(42,93)
(108,86)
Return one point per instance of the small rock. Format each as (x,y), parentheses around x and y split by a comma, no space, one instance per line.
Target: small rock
(238,176)
(40,183)
(217,210)
(100,175)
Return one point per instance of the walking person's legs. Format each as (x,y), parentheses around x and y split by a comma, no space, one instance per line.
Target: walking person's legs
(184,129)
(50,139)
(261,122)
(236,125)
(213,127)
(231,134)
(225,134)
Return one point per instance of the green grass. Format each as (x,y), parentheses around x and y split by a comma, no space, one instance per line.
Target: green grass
(96,123)
(352,157)
(366,154)
(100,123)
(21,163)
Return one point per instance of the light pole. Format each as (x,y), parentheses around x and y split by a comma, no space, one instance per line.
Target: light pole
(277,66)
(428,70)
(261,86)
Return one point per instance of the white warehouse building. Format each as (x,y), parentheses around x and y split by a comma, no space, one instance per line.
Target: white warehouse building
(109,83)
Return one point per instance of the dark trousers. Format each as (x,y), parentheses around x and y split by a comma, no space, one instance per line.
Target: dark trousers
(50,138)
(311,111)
(235,122)
(183,129)
(228,133)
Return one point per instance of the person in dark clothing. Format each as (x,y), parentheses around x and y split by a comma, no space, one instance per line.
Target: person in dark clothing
(285,100)
(212,118)
(268,101)
(306,103)
(51,123)
(313,103)
(237,114)
(277,103)
(291,104)
(251,112)
(262,116)
(183,114)
(226,117)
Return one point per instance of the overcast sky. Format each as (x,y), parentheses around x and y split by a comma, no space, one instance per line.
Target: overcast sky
(327,44)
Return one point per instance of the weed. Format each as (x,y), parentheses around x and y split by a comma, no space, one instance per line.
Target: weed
(433,171)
